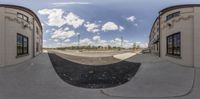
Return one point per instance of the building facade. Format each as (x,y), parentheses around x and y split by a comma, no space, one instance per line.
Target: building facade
(175,35)
(20,34)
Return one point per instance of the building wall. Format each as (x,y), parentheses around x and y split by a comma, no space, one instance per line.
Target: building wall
(10,26)
(38,39)
(188,24)
(155,46)
(2,36)
(184,25)
(154,37)
(197,37)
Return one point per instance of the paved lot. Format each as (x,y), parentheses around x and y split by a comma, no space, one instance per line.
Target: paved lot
(90,76)
(37,79)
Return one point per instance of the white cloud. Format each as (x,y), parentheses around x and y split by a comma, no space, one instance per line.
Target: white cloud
(121,28)
(57,18)
(66,29)
(53,29)
(44,41)
(56,40)
(117,42)
(99,42)
(61,34)
(96,41)
(92,27)
(43,24)
(73,20)
(77,34)
(99,21)
(47,31)
(110,26)
(96,38)
(142,45)
(131,18)
(72,3)
(85,42)
(136,24)
(118,39)
(67,40)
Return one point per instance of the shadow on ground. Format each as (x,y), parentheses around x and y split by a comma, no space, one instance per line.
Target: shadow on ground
(88,76)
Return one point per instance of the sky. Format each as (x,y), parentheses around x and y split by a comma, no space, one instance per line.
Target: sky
(96,22)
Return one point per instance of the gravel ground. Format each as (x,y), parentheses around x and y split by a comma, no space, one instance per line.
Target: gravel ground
(90,76)
(91,53)
(94,61)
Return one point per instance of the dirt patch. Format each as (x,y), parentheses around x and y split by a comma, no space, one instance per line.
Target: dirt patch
(95,61)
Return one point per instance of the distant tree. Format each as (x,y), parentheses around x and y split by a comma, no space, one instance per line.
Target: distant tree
(134,46)
(88,47)
(138,46)
(109,47)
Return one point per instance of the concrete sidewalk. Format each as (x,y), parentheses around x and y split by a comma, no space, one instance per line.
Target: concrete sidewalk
(124,56)
(36,79)
(156,79)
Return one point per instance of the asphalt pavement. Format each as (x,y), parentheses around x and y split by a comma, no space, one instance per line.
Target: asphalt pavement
(91,76)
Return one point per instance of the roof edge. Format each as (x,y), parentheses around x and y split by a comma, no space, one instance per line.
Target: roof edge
(24,9)
(178,6)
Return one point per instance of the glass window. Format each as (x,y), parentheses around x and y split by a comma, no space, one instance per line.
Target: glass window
(37,30)
(19,15)
(174,44)
(25,47)
(22,45)
(37,47)
(24,17)
(19,44)
(173,15)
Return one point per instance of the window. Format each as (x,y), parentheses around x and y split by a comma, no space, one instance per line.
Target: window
(22,16)
(173,15)
(157,46)
(158,29)
(22,45)
(37,47)
(174,44)
(25,18)
(19,15)
(37,30)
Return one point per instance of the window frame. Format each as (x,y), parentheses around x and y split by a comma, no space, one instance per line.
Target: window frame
(173,15)
(173,39)
(24,45)
(37,47)
(24,17)
(37,30)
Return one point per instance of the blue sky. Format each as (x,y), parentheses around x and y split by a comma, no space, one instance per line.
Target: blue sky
(98,22)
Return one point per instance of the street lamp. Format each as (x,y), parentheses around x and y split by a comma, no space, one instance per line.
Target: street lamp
(78,41)
(122,40)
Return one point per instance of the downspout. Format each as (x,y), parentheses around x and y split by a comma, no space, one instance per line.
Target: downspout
(193,36)
(159,36)
(33,37)
(42,40)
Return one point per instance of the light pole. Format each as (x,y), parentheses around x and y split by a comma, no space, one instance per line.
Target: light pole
(78,41)
(61,43)
(122,40)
